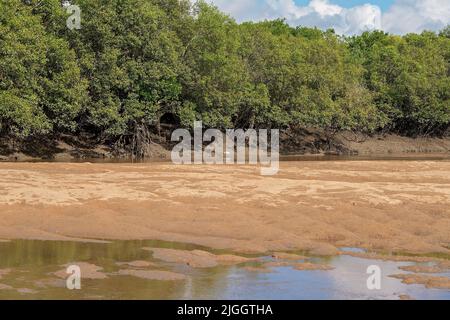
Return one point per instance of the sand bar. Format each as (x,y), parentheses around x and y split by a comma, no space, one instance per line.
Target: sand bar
(317,206)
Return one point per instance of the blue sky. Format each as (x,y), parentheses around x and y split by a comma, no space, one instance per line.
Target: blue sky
(346,16)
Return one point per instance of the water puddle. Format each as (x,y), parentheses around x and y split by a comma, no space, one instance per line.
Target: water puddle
(27,271)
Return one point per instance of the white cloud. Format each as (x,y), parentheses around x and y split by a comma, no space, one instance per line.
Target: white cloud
(323,8)
(404,15)
(416,15)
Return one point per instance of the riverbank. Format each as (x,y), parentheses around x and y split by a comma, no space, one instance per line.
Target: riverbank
(389,206)
(299,142)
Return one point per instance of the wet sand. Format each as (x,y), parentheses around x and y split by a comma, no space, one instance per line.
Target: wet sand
(391,206)
(195,258)
(426,280)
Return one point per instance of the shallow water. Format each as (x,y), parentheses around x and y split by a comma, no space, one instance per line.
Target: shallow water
(374,157)
(32,264)
(283,158)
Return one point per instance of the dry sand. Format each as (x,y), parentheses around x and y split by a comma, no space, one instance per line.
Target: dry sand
(316,206)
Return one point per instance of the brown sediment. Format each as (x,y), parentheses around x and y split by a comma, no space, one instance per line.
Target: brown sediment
(88,271)
(391,144)
(275,264)
(137,264)
(306,266)
(287,256)
(401,206)
(389,257)
(312,266)
(444,264)
(258,269)
(153,274)
(4,272)
(5,287)
(424,269)
(195,258)
(405,297)
(26,291)
(48,283)
(323,249)
(426,280)
(231,259)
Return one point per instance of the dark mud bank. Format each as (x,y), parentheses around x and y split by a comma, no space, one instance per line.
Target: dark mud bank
(292,142)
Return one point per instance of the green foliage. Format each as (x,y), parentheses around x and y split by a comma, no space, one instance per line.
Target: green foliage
(136,60)
(446,32)
(130,57)
(40,85)
(410,79)
(311,78)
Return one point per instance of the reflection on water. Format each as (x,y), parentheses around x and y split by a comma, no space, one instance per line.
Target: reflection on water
(32,265)
(373,157)
(283,157)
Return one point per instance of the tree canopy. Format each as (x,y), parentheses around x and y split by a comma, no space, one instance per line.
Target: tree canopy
(133,61)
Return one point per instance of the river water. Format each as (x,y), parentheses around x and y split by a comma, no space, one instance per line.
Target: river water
(31,265)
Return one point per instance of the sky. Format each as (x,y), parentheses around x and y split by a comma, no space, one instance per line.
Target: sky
(346,16)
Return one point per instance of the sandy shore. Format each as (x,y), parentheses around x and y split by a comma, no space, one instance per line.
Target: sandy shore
(317,206)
